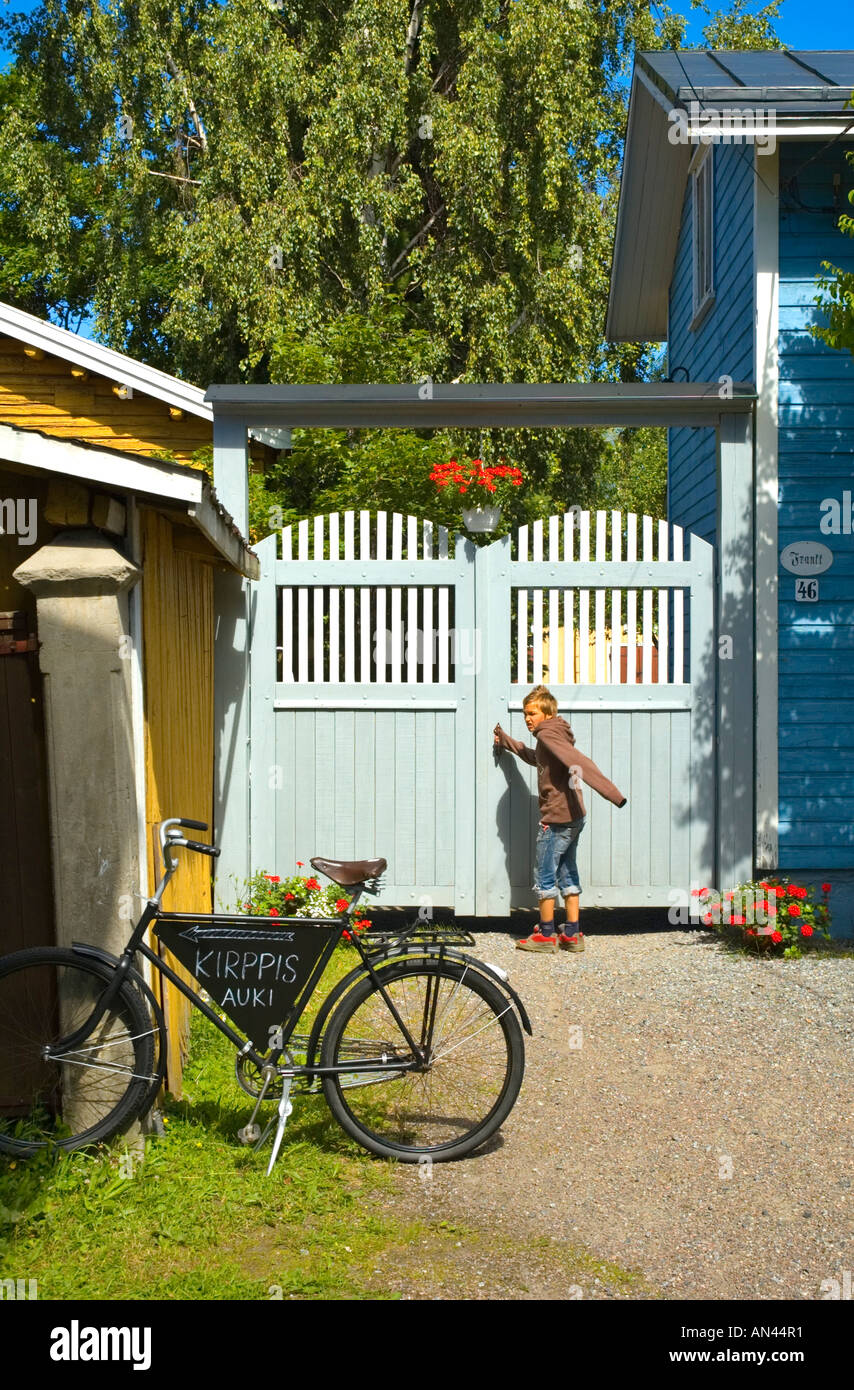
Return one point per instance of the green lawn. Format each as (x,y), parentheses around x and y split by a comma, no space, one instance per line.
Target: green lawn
(199,1219)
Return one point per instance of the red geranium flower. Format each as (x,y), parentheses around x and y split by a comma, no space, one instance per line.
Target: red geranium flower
(346,935)
(312,884)
(707,918)
(739,921)
(825,888)
(751,931)
(342,904)
(806,929)
(777,936)
(794,910)
(781,892)
(300,864)
(274,912)
(289,898)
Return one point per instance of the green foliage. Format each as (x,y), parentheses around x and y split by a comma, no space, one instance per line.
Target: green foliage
(836,296)
(362,192)
(740,28)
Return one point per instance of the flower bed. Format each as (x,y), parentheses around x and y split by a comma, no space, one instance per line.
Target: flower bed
(772,916)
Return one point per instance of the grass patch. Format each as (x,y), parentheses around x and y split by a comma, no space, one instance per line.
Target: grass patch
(199,1219)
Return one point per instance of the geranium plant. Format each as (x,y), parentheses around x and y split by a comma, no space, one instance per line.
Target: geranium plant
(482,485)
(769,915)
(270,895)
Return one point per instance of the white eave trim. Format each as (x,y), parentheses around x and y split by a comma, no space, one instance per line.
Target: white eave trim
(173,484)
(104,361)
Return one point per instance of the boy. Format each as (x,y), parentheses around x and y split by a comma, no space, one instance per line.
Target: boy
(560,769)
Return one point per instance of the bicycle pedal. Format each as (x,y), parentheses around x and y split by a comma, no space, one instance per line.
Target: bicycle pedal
(250,1134)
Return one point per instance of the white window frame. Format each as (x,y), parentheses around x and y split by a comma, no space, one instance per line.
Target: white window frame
(703,234)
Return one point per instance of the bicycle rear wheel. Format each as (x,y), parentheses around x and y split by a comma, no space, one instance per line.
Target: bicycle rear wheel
(471,1076)
(93,1092)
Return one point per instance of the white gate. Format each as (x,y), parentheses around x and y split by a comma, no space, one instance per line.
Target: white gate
(383,653)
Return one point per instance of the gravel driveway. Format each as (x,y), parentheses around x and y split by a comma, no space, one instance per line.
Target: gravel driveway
(685,1114)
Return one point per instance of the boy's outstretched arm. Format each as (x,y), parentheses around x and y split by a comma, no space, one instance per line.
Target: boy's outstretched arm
(558,744)
(513,745)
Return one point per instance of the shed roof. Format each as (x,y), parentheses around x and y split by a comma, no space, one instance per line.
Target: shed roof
(171,485)
(83,352)
(805,94)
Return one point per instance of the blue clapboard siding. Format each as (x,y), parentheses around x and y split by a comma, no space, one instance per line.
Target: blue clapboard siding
(723,343)
(816,461)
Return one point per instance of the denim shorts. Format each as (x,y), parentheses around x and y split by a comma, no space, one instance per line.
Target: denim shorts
(555,870)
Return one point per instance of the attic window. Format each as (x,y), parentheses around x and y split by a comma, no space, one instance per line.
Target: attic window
(702,184)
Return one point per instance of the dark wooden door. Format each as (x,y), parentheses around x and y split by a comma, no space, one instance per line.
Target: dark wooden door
(26,905)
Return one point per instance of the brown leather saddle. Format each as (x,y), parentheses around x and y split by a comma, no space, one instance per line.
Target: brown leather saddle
(347,872)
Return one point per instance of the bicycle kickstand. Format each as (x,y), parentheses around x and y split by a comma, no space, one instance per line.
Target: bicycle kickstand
(280,1119)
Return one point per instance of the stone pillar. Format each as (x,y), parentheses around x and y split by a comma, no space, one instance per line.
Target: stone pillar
(80,581)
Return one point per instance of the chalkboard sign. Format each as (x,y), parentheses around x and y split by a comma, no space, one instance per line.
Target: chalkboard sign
(254,973)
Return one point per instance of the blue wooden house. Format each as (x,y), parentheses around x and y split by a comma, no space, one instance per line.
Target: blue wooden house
(735,175)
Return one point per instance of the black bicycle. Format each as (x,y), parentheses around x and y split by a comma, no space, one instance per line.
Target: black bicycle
(418,1049)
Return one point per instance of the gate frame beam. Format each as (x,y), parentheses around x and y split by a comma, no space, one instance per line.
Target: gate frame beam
(727,407)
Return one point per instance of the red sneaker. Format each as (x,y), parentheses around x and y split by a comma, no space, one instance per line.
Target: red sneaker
(571,943)
(537,942)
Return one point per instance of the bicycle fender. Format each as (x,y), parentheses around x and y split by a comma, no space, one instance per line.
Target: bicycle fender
(450,954)
(503,984)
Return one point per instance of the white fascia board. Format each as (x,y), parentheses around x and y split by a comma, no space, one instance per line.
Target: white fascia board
(104,361)
(93,465)
(155,482)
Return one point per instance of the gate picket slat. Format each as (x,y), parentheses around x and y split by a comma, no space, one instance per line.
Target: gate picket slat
(302,601)
(522,615)
(554,604)
(647,605)
(429,635)
(631,603)
(380,595)
(678,615)
(318,604)
(287,615)
(349,605)
(616,602)
(537,617)
(568,604)
(414,640)
(334,653)
(600,639)
(364,602)
(663,635)
(584,602)
(396,595)
(443,634)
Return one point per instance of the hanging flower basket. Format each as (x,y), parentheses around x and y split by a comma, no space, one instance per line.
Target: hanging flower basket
(481,518)
(484,489)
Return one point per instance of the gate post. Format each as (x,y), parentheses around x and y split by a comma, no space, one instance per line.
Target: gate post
(231,664)
(492,566)
(735,663)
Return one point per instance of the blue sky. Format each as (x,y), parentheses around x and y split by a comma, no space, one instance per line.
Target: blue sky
(807,24)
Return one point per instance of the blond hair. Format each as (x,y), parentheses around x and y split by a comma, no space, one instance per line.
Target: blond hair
(544,700)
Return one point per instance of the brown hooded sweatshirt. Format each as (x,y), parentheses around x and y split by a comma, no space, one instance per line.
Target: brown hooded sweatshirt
(560,771)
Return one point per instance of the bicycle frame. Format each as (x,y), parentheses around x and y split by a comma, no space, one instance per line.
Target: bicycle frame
(284,1032)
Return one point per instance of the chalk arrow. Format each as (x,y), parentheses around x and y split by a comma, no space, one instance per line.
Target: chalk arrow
(197,933)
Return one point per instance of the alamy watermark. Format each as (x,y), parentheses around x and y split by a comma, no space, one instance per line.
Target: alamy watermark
(18,518)
(706,125)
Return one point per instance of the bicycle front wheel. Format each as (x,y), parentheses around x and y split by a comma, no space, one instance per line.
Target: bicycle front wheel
(466,1084)
(92,1092)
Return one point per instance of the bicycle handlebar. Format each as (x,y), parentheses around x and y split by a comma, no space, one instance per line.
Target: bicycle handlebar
(212,850)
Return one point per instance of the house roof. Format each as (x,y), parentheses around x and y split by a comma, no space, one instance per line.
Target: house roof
(83,352)
(172,485)
(804,94)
